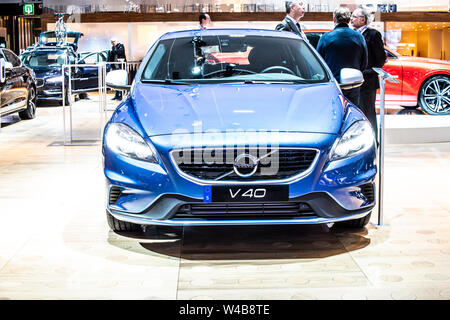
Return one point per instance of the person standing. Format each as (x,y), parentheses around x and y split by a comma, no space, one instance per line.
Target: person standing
(361,18)
(204,20)
(344,48)
(117,54)
(295,10)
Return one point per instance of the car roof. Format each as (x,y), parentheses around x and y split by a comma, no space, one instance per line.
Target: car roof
(229,31)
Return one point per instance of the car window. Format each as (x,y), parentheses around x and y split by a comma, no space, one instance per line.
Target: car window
(45,58)
(12,58)
(234,58)
(102,57)
(156,69)
(91,59)
(314,37)
(390,55)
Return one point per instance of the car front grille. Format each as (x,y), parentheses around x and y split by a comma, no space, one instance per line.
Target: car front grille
(275,164)
(233,211)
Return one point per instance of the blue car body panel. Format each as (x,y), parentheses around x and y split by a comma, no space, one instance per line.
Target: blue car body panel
(170,117)
(294,108)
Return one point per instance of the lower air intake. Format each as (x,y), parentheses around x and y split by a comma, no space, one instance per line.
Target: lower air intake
(114,195)
(233,211)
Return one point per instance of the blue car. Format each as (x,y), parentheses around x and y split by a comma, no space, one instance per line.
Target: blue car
(237,127)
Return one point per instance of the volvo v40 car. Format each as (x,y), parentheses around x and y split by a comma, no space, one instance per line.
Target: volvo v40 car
(225,127)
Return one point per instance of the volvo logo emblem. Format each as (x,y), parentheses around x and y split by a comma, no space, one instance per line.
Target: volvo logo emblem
(245,165)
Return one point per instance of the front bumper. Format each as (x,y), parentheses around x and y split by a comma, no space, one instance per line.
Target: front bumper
(327,211)
(50,91)
(151,194)
(142,220)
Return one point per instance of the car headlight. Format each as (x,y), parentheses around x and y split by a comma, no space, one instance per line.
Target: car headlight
(54,79)
(357,139)
(123,140)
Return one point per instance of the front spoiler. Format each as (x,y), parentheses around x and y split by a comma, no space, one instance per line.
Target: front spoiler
(180,222)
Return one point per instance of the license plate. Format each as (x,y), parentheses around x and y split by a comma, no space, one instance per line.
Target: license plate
(246,193)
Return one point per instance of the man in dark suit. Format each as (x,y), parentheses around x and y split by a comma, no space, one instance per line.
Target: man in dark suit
(295,10)
(343,48)
(361,18)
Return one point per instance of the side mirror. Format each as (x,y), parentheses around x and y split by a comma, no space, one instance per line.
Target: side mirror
(8,65)
(351,78)
(118,79)
(2,70)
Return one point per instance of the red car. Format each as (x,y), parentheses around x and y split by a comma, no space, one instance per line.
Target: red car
(424,83)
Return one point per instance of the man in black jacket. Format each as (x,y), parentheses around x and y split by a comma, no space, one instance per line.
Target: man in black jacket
(343,48)
(117,54)
(360,20)
(295,10)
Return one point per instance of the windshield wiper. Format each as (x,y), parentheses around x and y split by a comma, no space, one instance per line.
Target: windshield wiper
(276,81)
(166,81)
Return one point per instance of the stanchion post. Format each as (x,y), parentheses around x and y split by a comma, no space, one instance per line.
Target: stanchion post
(105,89)
(63,91)
(383,77)
(99,84)
(381,152)
(69,95)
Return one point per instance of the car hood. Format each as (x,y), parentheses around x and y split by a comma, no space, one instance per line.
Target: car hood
(44,72)
(170,109)
(425,60)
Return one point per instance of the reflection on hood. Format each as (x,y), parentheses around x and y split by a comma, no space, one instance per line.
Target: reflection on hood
(220,107)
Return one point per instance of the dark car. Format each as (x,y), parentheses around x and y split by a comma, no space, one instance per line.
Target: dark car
(17,86)
(47,63)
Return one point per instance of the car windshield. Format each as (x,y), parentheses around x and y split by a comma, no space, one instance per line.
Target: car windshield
(233,58)
(44,58)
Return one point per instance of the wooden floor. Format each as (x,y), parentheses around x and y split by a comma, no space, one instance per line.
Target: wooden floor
(55,242)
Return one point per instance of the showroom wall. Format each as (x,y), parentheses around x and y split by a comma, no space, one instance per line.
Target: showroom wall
(420,39)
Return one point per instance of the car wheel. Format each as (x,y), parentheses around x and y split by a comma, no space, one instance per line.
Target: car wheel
(30,111)
(356,223)
(121,226)
(434,96)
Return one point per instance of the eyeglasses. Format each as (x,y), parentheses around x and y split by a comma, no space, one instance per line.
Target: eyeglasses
(357,16)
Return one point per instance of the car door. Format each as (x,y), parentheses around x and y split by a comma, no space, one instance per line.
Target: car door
(22,73)
(14,95)
(2,80)
(393,66)
(87,77)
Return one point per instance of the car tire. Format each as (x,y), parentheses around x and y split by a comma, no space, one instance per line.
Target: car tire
(354,224)
(431,99)
(121,226)
(30,111)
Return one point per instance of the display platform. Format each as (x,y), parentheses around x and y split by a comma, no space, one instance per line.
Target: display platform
(416,128)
